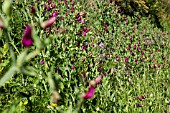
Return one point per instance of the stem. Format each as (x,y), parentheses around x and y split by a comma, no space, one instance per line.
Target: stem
(79,105)
(8,75)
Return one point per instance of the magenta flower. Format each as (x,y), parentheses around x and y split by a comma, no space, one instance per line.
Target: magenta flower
(83,59)
(98,80)
(45,6)
(159,65)
(67,13)
(118,58)
(79,19)
(72,3)
(136,62)
(48,23)
(134,28)
(54,6)
(90,93)
(126,59)
(84,33)
(101,45)
(83,47)
(130,37)
(139,105)
(134,46)
(42,62)
(61,18)
(149,42)
(49,2)
(132,53)
(65,1)
(104,73)
(44,12)
(27,39)
(86,29)
(55,13)
(89,66)
(168,103)
(72,67)
(106,27)
(84,15)
(139,98)
(83,21)
(72,9)
(48,8)
(142,52)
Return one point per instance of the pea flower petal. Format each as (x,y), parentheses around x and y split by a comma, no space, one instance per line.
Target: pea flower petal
(90,93)
(27,39)
(49,22)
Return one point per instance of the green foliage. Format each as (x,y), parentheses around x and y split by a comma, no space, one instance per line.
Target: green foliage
(158,10)
(129,52)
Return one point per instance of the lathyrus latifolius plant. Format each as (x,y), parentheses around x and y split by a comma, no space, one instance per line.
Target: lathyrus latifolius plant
(53,51)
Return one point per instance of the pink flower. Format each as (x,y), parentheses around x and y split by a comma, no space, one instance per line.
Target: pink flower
(48,23)
(90,93)
(159,65)
(86,29)
(72,9)
(98,80)
(42,62)
(55,13)
(83,21)
(45,6)
(48,8)
(84,15)
(118,58)
(79,19)
(27,39)
(49,2)
(89,66)
(72,67)
(142,52)
(101,45)
(126,59)
(139,98)
(84,33)
(54,6)
(106,27)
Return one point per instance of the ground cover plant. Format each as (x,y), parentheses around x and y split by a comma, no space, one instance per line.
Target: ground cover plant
(81,57)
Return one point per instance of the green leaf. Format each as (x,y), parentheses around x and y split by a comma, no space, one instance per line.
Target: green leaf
(21,58)
(8,75)
(5,49)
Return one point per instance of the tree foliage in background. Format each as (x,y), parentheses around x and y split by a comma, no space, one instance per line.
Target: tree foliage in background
(159,10)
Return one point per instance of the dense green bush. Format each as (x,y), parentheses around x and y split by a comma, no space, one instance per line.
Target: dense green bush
(159,10)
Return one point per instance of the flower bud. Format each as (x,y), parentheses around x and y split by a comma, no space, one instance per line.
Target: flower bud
(98,80)
(27,39)
(48,23)
(139,98)
(90,93)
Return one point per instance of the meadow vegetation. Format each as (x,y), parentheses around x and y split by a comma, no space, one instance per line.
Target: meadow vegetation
(66,56)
